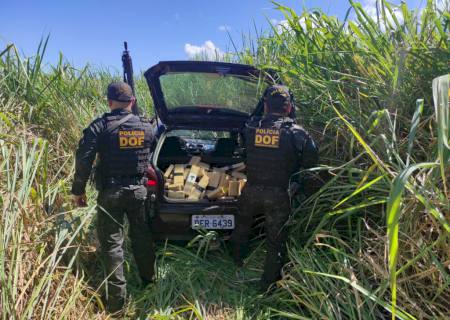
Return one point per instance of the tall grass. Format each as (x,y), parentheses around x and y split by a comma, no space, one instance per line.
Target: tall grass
(371,243)
(359,80)
(35,281)
(41,235)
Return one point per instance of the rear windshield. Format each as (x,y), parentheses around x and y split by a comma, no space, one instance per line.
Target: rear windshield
(211,90)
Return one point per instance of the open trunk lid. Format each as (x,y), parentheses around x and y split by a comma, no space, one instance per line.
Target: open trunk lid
(205,95)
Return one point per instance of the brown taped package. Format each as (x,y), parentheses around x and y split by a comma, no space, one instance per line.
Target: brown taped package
(198,180)
(168,183)
(175,194)
(175,187)
(178,174)
(234,188)
(201,173)
(216,193)
(186,172)
(238,175)
(190,180)
(214,178)
(194,160)
(168,171)
(224,178)
(203,165)
(198,188)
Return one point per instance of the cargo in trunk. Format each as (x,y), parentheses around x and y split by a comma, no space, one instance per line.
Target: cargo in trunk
(201,169)
(203,182)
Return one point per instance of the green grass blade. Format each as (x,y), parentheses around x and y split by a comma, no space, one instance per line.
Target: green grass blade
(392,217)
(414,126)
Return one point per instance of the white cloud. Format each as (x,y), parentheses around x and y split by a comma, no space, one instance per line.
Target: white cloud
(207,50)
(370,6)
(280,25)
(224,28)
(283,25)
(302,22)
(443,5)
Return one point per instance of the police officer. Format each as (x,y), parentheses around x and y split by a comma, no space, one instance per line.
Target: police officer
(276,148)
(123,142)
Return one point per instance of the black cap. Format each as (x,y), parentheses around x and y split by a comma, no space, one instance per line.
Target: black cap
(120,91)
(277,97)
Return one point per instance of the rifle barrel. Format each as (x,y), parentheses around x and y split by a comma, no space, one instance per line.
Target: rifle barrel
(128,74)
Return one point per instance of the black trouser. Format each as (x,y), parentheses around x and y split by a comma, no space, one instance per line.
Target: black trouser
(113,204)
(274,204)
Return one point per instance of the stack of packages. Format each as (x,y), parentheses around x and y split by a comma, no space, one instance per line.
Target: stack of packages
(197,180)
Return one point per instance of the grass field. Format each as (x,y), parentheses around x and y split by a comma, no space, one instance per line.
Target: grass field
(372,243)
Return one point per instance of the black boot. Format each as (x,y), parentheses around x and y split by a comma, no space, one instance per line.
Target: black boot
(145,283)
(240,251)
(266,287)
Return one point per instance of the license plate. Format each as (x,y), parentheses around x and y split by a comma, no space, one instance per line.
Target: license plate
(225,221)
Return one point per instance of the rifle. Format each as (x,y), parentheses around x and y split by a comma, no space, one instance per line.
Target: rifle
(128,74)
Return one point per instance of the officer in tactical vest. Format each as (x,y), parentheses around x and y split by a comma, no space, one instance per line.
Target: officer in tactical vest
(276,148)
(123,142)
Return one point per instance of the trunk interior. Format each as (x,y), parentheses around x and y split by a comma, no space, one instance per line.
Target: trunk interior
(210,160)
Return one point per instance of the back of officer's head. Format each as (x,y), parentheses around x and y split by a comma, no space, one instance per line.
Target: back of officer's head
(277,100)
(120,95)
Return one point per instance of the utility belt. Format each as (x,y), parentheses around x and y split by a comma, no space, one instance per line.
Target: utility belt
(121,181)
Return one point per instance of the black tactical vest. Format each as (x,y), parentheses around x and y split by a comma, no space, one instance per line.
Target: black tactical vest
(271,154)
(125,151)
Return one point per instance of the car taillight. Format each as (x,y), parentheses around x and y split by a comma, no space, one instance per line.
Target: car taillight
(150,173)
(152,178)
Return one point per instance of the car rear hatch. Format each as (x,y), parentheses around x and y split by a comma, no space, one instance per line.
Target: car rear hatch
(205,95)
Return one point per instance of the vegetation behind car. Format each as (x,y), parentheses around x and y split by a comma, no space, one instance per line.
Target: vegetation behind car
(357,82)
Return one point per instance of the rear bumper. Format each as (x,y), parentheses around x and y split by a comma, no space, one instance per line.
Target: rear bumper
(173,221)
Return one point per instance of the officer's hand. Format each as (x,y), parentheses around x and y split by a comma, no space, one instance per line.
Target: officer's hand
(80,201)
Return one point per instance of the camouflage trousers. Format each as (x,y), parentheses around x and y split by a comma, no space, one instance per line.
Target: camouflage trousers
(274,204)
(113,204)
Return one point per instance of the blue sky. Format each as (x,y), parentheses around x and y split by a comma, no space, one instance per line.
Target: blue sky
(93,31)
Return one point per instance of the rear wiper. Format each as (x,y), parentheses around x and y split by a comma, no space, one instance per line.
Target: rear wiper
(209,109)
